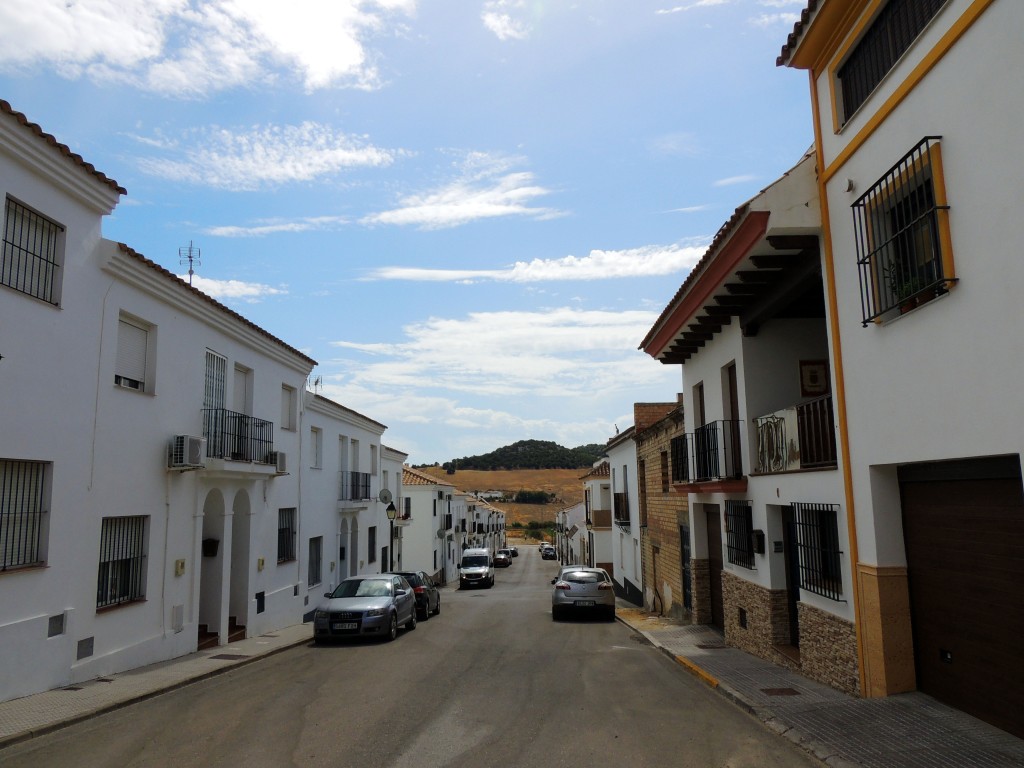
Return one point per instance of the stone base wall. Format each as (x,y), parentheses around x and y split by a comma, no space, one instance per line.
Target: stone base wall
(766,613)
(700,572)
(828,644)
(828,649)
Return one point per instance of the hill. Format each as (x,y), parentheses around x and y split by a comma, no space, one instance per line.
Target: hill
(531,454)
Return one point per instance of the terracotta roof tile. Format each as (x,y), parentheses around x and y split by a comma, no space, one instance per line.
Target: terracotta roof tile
(601,470)
(63,149)
(411,476)
(128,251)
(350,410)
(794,36)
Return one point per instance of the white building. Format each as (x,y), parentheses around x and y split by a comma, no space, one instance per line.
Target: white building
(627,562)
(916,108)
(428,525)
(597,501)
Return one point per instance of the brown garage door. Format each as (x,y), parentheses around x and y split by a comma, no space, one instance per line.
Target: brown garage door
(965,556)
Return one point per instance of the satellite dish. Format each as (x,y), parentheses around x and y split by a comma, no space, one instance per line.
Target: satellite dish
(384,496)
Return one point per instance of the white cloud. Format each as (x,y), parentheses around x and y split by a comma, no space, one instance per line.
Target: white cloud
(275,227)
(177,48)
(646,261)
(233,289)
(262,156)
(497,17)
(691,6)
(676,144)
(487,188)
(560,353)
(691,209)
(733,180)
(775,19)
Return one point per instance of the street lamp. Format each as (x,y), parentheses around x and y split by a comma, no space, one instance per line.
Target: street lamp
(391,511)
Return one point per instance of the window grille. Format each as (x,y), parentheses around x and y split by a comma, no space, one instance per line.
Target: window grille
(371,543)
(739,528)
(22,497)
(29,261)
(680,459)
(122,568)
(286,528)
(316,560)
(817,539)
(897,229)
(886,40)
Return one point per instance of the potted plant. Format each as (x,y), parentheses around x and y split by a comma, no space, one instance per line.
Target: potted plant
(904,287)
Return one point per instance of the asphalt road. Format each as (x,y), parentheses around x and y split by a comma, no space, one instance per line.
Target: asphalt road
(491,681)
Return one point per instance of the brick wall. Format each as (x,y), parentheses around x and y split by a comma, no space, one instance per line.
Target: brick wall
(828,649)
(663,508)
(701,575)
(767,618)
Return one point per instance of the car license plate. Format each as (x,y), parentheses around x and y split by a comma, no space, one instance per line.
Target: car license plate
(585,603)
(346,625)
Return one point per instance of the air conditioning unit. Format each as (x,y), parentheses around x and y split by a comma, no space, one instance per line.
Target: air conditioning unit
(185,452)
(281,461)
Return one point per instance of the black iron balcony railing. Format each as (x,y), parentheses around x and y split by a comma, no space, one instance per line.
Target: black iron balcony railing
(620,509)
(799,437)
(711,452)
(355,486)
(238,437)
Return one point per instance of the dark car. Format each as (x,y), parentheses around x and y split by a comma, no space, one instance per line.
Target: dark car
(514,551)
(548,553)
(428,598)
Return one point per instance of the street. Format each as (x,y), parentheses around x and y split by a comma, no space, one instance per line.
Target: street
(491,681)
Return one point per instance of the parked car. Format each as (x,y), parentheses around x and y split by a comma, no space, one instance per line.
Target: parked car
(366,606)
(548,553)
(428,597)
(581,588)
(476,569)
(514,551)
(503,558)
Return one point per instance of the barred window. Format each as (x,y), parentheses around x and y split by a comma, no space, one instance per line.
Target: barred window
(31,256)
(122,569)
(286,528)
(739,529)
(316,560)
(22,513)
(371,544)
(894,30)
(817,537)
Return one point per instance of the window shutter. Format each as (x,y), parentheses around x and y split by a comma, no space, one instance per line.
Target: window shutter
(131,352)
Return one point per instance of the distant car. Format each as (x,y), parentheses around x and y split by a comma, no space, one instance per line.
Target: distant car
(581,588)
(428,598)
(366,606)
(548,553)
(514,551)
(503,558)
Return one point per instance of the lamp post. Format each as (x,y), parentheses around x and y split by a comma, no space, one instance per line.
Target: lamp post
(391,511)
(590,543)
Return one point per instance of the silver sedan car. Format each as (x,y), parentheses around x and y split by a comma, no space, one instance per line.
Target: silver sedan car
(366,606)
(582,588)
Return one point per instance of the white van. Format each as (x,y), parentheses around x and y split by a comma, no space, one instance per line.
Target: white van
(476,569)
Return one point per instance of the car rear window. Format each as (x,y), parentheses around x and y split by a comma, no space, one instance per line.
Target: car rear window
(583,577)
(412,578)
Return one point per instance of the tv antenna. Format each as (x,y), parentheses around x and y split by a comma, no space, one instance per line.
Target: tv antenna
(317,384)
(189,255)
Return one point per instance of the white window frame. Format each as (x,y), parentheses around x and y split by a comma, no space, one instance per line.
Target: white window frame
(316,448)
(289,400)
(24,501)
(122,562)
(134,364)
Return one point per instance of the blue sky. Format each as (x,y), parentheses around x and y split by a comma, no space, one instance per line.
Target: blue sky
(470,213)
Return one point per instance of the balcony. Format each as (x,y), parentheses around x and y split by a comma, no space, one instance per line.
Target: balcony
(236,437)
(709,459)
(620,510)
(801,437)
(354,486)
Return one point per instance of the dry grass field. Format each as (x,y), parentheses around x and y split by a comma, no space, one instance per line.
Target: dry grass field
(564,483)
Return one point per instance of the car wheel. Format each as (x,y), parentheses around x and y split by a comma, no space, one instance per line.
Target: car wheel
(393,627)
(556,613)
(410,625)
(424,614)
(610,613)
(437,608)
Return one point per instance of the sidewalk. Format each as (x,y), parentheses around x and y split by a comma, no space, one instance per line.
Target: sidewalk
(911,729)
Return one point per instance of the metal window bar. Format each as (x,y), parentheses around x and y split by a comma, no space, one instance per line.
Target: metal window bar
(355,486)
(316,558)
(22,487)
(739,528)
(122,561)
(620,506)
(716,451)
(896,225)
(680,459)
(286,534)
(238,437)
(817,433)
(817,534)
(890,35)
(29,262)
